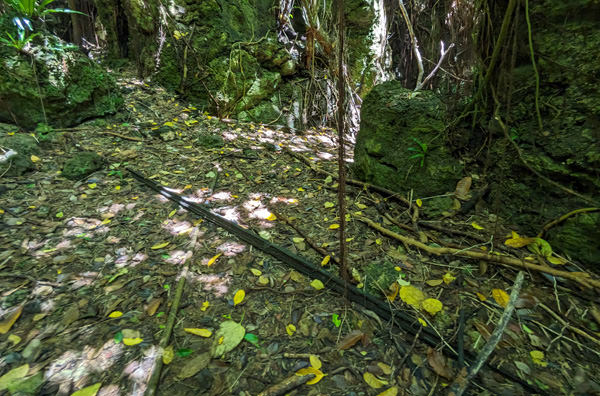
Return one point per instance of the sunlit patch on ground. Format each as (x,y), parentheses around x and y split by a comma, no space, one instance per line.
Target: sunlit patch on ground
(231,248)
(72,370)
(217,284)
(139,371)
(178,257)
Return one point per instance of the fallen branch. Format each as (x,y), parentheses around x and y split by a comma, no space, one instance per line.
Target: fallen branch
(583,278)
(153,382)
(459,387)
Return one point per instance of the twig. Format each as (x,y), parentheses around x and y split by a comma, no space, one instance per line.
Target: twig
(457,389)
(564,217)
(583,278)
(123,136)
(153,382)
(286,385)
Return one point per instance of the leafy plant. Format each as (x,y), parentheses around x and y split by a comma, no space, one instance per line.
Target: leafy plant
(19,42)
(420,152)
(33,9)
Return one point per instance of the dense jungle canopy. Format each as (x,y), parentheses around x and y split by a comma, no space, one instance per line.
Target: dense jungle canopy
(299,197)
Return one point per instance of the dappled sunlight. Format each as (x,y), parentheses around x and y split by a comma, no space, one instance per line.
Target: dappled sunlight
(289,201)
(85,226)
(109,390)
(229,213)
(325,156)
(217,284)
(177,227)
(223,196)
(231,248)
(113,210)
(139,371)
(83,279)
(73,369)
(178,257)
(125,259)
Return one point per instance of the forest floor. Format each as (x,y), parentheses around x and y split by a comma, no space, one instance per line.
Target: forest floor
(87,284)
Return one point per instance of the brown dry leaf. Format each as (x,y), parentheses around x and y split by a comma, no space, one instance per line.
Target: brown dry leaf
(351,339)
(462,188)
(439,363)
(152,306)
(483,330)
(10,320)
(393,291)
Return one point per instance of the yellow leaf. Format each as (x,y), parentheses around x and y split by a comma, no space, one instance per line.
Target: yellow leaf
(172,212)
(92,185)
(10,320)
(329,204)
(393,391)
(315,362)
(159,245)
(168,355)
(91,390)
(432,306)
(501,297)
(378,241)
(556,260)
(297,239)
(132,341)
(434,282)
(476,226)
(517,242)
(360,206)
(214,259)
(311,370)
(117,188)
(300,189)
(419,202)
(373,381)
(325,260)
(263,280)
(271,217)
(481,296)
(199,332)
(239,296)
(411,295)
(256,272)
(290,329)
(115,314)
(422,321)
(205,306)
(14,339)
(34,158)
(448,278)
(538,358)
(317,284)
(13,375)
(334,226)
(106,221)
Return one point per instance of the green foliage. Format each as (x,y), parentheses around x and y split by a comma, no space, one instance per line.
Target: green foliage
(421,151)
(33,9)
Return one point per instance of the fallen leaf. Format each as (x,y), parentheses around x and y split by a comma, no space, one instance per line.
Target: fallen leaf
(315,362)
(373,381)
(115,314)
(256,271)
(325,260)
(462,188)
(199,332)
(501,297)
(411,295)
(434,282)
(334,226)
(311,370)
(317,284)
(229,335)
(271,217)
(13,375)
(239,297)
(213,259)
(10,320)
(153,306)
(168,354)
(290,329)
(476,226)
(538,358)
(132,341)
(194,366)
(328,204)
(393,391)
(350,340)
(159,245)
(439,363)
(432,306)
(91,390)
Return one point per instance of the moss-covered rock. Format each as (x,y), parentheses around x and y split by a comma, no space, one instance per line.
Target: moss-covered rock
(395,125)
(24,145)
(54,84)
(81,165)
(578,237)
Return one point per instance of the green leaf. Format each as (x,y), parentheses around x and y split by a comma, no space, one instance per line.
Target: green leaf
(251,338)
(183,352)
(335,318)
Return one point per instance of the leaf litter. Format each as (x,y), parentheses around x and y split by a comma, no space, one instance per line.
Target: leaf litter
(90,267)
